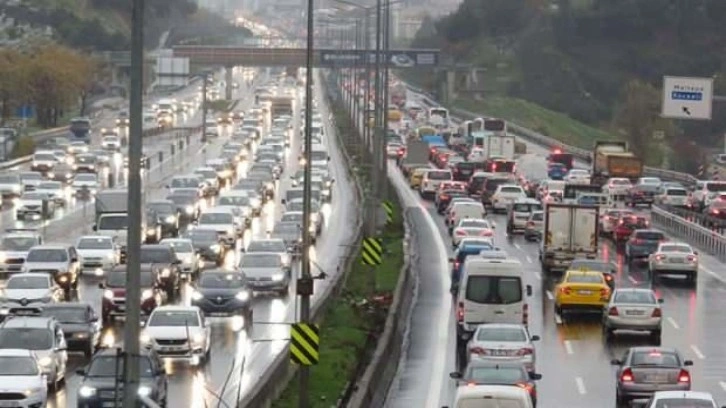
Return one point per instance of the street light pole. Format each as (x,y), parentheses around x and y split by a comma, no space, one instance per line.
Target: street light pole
(367,93)
(386,49)
(204,107)
(133,245)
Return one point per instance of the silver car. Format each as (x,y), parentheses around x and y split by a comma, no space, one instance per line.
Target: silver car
(14,247)
(10,185)
(290,233)
(644,370)
(633,309)
(184,250)
(674,258)
(503,342)
(266,272)
(535,225)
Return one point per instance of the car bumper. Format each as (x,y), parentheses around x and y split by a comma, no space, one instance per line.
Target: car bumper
(185,353)
(528,361)
(34,401)
(581,304)
(264,286)
(647,390)
(228,307)
(674,267)
(629,323)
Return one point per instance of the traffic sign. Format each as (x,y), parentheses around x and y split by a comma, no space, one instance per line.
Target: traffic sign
(687,98)
(304,344)
(372,252)
(393,58)
(388,206)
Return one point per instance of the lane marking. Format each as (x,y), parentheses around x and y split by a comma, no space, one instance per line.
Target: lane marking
(538,275)
(697,352)
(550,296)
(529,260)
(713,274)
(632,280)
(673,323)
(580,385)
(723,385)
(516,245)
(558,319)
(568,347)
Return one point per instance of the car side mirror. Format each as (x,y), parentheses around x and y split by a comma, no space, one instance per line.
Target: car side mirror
(615,362)
(688,363)
(177,262)
(101,286)
(534,338)
(452,260)
(74,259)
(167,186)
(94,227)
(61,348)
(283,201)
(455,375)
(695,252)
(660,301)
(535,376)
(161,371)
(529,290)
(94,319)
(328,158)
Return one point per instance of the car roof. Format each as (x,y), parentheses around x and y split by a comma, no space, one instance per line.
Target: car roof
(217,210)
(67,305)
(180,308)
(30,322)
(682,394)
(501,326)
(51,246)
(30,275)
(266,240)
(16,353)
(660,349)
(476,391)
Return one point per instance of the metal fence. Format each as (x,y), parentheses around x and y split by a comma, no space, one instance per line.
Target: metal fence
(704,238)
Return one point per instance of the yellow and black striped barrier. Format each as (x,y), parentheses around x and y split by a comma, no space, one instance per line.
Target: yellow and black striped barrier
(305,344)
(372,252)
(388,206)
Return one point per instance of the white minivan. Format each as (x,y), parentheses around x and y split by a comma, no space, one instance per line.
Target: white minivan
(491,290)
(462,210)
(431,181)
(491,396)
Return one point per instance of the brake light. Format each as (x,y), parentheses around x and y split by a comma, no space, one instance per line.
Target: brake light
(460,312)
(613,311)
(608,277)
(636,241)
(457,264)
(526,386)
(530,223)
(477,350)
(433,150)
(626,376)
(460,233)
(684,376)
(656,312)
(565,290)
(692,258)
(660,257)
(401,152)
(526,351)
(604,293)
(525,314)
(443,197)
(486,233)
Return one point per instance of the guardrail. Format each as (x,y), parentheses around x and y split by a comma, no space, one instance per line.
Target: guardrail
(280,371)
(710,222)
(701,237)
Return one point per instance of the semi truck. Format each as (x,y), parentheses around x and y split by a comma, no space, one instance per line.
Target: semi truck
(613,159)
(570,231)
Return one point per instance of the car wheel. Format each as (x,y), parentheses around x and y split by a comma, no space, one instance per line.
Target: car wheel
(558,310)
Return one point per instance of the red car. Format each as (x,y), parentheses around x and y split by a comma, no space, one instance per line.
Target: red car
(114,295)
(626,226)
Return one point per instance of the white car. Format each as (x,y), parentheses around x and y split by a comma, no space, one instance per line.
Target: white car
(111,142)
(297,217)
(85,181)
(43,161)
(10,185)
(577,176)
(209,174)
(98,254)
(30,205)
(681,399)
(178,333)
(506,195)
(617,187)
(674,258)
(184,250)
(28,288)
(673,196)
(471,227)
(55,190)
(20,374)
(392,149)
(77,147)
(500,342)
(30,180)
(633,309)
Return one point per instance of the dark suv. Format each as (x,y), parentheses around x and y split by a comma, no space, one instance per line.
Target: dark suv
(162,261)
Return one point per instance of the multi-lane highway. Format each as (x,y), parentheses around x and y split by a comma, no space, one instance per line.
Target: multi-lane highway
(572,354)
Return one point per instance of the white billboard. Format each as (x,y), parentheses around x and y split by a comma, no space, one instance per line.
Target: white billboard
(172,71)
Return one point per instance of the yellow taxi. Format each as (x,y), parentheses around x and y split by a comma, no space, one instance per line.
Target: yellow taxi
(394,115)
(582,290)
(416,176)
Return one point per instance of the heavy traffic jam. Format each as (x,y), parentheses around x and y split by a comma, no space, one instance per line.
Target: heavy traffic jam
(586,221)
(222,231)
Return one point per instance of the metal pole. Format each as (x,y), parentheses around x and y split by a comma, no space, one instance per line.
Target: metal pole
(133,247)
(354,75)
(204,108)
(305,283)
(367,93)
(377,122)
(386,47)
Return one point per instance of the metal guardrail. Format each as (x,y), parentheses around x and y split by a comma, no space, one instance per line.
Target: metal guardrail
(710,222)
(699,236)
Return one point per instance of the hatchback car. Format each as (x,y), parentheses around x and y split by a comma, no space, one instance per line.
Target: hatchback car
(642,371)
(266,272)
(22,379)
(643,243)
(224,293)
(80,324)
(499,373)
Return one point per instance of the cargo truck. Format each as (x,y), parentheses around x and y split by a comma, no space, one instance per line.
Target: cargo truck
(493,145)
(112,219)
(570,231)
(280,106)
(613,159)
(417,155)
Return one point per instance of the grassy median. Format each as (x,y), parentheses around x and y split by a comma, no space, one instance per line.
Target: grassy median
(353,321)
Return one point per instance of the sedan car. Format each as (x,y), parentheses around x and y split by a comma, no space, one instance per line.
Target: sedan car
(471,227)
(81,326)
(633,309)
(577,176)
(21,376)
(223,222)
(24,289)
(178,333)
(695,399)
(224,293)
(674,259)
(534,227)
(499,342)
(581,290)
(499,373)
(30,206)
(208,245)
(98,254)
(266,272)
(85,184)
(644,370)
(55,190)
(643,243)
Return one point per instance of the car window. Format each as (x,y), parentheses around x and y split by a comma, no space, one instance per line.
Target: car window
(47,255)
(676,248)
(584,278)
(174,318)
(492,375)
(494,289)
(438,175)
(161,255)
(26,338)
(649,235)
(654,358)
(109,366)
(634,297)
(497,333)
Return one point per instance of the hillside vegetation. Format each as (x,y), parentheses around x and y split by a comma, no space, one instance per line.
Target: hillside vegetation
(598,61)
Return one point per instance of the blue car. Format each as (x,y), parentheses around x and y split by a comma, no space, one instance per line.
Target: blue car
(643,243)
(468,246)
(556,171)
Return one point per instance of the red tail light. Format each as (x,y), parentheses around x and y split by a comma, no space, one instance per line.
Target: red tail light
(460,233)
(684,376)
(486,233)
(443,197)
(626,376)
(660,258)
(457,264)
(565,290)
(525,314)
(613,311)
(636,241)
(691,258)
(401,152)
(460,312)
(656,312)
(528,387)
(604,293)
(525,351)
(477,350)
(608,277)
(530,224)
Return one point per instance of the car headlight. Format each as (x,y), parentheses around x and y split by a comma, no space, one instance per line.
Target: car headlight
(86,391)
(189,209)
(165,273)
(31,391)
(108,294)
(269,186)
(3,257)
(314,217)
(4,311)
(144,338)
(144,390)
(146,294)
(278,277)
(215,248)
(197,296)
(51,175)
(15,188)
(170,218)
(46,361)
(198,338)
(242,296)
(255,202)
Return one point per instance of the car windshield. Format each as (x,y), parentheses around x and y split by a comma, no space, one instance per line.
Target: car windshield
(620,182)
(298,206)
(26,338)
(31,177)
(156,255)
(649,236)
(162,208)
(216,218)
(266,246)
(118,279)
(44,157)
(715,187)
(184,182)
(497,290)
(525,208)
(294,217)
(474,224)
(174,318)
(179,246)
(676,248)
(9,179)
(113,222)
(501,334)
(261,261)
(47,255)
(49,186)
(68,314)
(634,296)
(438,175)
(28,282)
(17,243)
(496,375)
(207,174)
(584,278)
(18,366)
(655,358)
(511,190)
(95,243)
(677,192)
(287,228)
(222,280)
(236,201)
(110,366)
(182,199)
(318,155)
(539,216)
(201,235)
(85,177)
(683,403)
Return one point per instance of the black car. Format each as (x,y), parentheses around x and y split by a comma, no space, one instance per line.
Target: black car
(186,205)
(224,293)
(463,171)
(499,373)
(80,323)
(445,197)
(475,188)
(101,386)
(86,163)
(208,245)
(165,214)
(162,260)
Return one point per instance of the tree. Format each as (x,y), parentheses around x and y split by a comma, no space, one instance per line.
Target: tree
(13,81)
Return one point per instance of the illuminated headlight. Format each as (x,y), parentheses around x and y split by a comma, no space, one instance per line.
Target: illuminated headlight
(170,219)
(63,279)
(118,121)
(45,362)
(69,175)
(151,231)
(15,188)
(2,257)
(255,202)
(198,338)
(144,390)
(51,175)
(216,248)
(189,209)
(314,217)
(269,186)
(148,293)
(278,277)
(242,296)
(86,392)
(165,273)
(197,296)
(328,183)
(4,312)
(144,338)
(32,391)
(108,294)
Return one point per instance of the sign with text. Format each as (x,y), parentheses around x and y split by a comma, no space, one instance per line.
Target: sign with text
(393,58)
(687,98)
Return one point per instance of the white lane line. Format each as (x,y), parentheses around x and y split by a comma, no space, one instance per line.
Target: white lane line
(697,352)
(568,347)
(529,260)
(550,296)
(580,385)
(673,323)
(712,273)
(558,319)
(538,275)
(516,245)
(723,385)
(632,280)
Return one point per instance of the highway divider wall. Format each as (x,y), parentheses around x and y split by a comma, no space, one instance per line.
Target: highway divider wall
(279,373)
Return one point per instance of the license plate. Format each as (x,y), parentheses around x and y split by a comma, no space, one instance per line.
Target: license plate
(172,348)
(677,260)
(8,404)
(109,404)
(500,353)
(584,292)
(634,312)
(657,378)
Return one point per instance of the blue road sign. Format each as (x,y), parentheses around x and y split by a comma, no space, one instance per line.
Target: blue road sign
(25,111)
(686,96)
(393,58)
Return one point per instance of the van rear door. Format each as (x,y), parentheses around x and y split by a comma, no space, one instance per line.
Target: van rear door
(492,298)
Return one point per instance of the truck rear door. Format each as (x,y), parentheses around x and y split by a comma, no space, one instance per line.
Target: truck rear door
(584,229)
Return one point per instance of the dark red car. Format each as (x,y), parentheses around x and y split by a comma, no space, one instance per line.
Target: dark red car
(114,295)
(627,225)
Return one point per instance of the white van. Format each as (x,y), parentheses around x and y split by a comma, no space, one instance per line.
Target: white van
(466,209)
(431,181)
(491,396)
(319,155)
(491,290)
